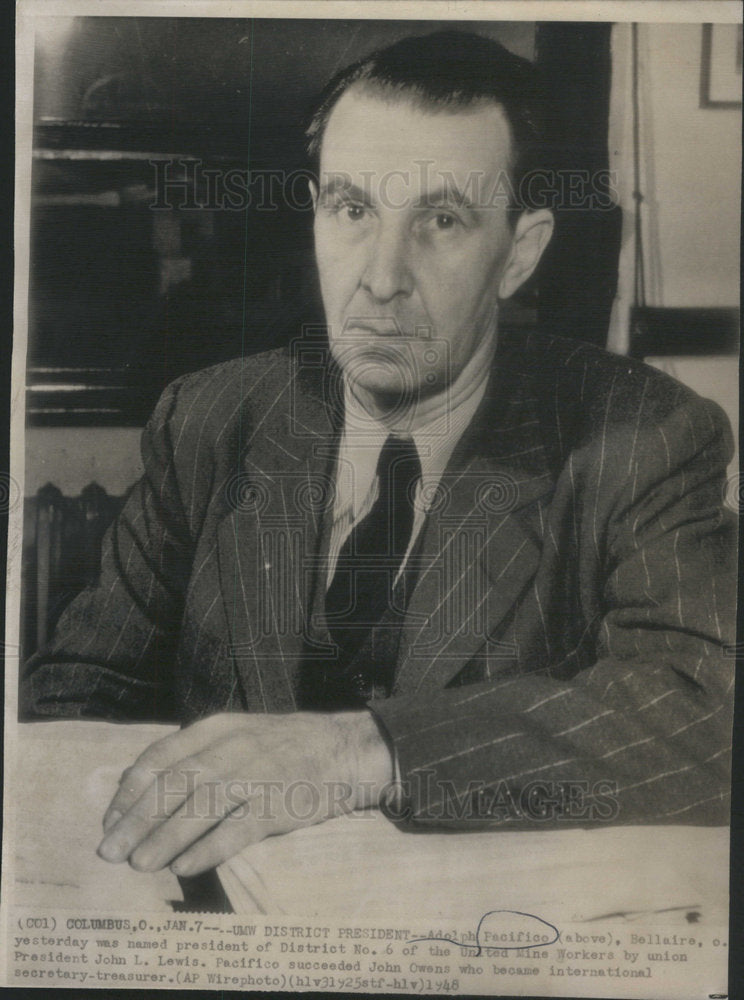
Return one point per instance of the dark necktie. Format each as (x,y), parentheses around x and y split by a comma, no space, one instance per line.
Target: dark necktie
(361,591)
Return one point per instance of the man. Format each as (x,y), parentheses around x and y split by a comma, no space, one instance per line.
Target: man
(464,576)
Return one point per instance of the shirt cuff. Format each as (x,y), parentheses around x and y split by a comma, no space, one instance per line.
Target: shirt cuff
(394,803)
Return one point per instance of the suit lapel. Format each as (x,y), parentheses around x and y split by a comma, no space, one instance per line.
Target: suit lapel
(482,541)
(480,548)
(267,542)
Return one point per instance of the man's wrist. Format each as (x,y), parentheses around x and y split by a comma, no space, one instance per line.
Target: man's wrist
(370,762)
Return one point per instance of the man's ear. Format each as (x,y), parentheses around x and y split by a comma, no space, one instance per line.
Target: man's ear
(313,193)
(531,235)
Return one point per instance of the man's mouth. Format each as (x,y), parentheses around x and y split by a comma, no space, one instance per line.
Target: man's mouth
(375,328)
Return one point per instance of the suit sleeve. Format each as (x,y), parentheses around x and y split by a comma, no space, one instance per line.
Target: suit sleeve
(642,735)
(112,653)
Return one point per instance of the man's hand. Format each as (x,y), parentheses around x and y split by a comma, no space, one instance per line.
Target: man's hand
(199,796)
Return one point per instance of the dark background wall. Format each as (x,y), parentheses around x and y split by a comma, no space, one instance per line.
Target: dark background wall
(126,296)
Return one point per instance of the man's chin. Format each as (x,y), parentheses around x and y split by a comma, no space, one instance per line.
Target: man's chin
(391,390)
(389,371)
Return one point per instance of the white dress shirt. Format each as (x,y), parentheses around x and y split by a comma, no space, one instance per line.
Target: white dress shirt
(435,426)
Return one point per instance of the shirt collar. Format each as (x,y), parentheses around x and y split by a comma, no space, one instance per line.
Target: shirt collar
(435,435)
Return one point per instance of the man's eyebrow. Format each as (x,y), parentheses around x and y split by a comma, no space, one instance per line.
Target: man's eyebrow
(447,194)
(339,184)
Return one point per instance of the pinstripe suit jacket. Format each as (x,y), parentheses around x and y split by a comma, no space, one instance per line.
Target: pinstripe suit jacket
(574,599)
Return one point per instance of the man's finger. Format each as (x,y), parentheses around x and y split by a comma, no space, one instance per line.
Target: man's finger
(158,756)
(167,790)
(234,833)
(208,807)
(132,784)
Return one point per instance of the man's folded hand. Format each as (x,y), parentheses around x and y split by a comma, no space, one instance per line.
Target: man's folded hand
(197,797)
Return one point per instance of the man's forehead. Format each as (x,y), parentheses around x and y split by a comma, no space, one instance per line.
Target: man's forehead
(370,134)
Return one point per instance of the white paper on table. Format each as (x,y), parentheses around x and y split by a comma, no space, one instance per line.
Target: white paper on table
(67,773)
(356,866)
(361,866)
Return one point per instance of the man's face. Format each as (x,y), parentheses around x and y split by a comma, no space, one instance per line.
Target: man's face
(411,237)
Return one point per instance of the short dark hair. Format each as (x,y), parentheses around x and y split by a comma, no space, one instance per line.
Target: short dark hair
(446,70)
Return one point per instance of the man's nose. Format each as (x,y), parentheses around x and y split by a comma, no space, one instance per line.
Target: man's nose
(387,273)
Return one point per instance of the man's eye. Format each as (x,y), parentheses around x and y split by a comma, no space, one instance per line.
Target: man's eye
(353,213)
(445,221)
